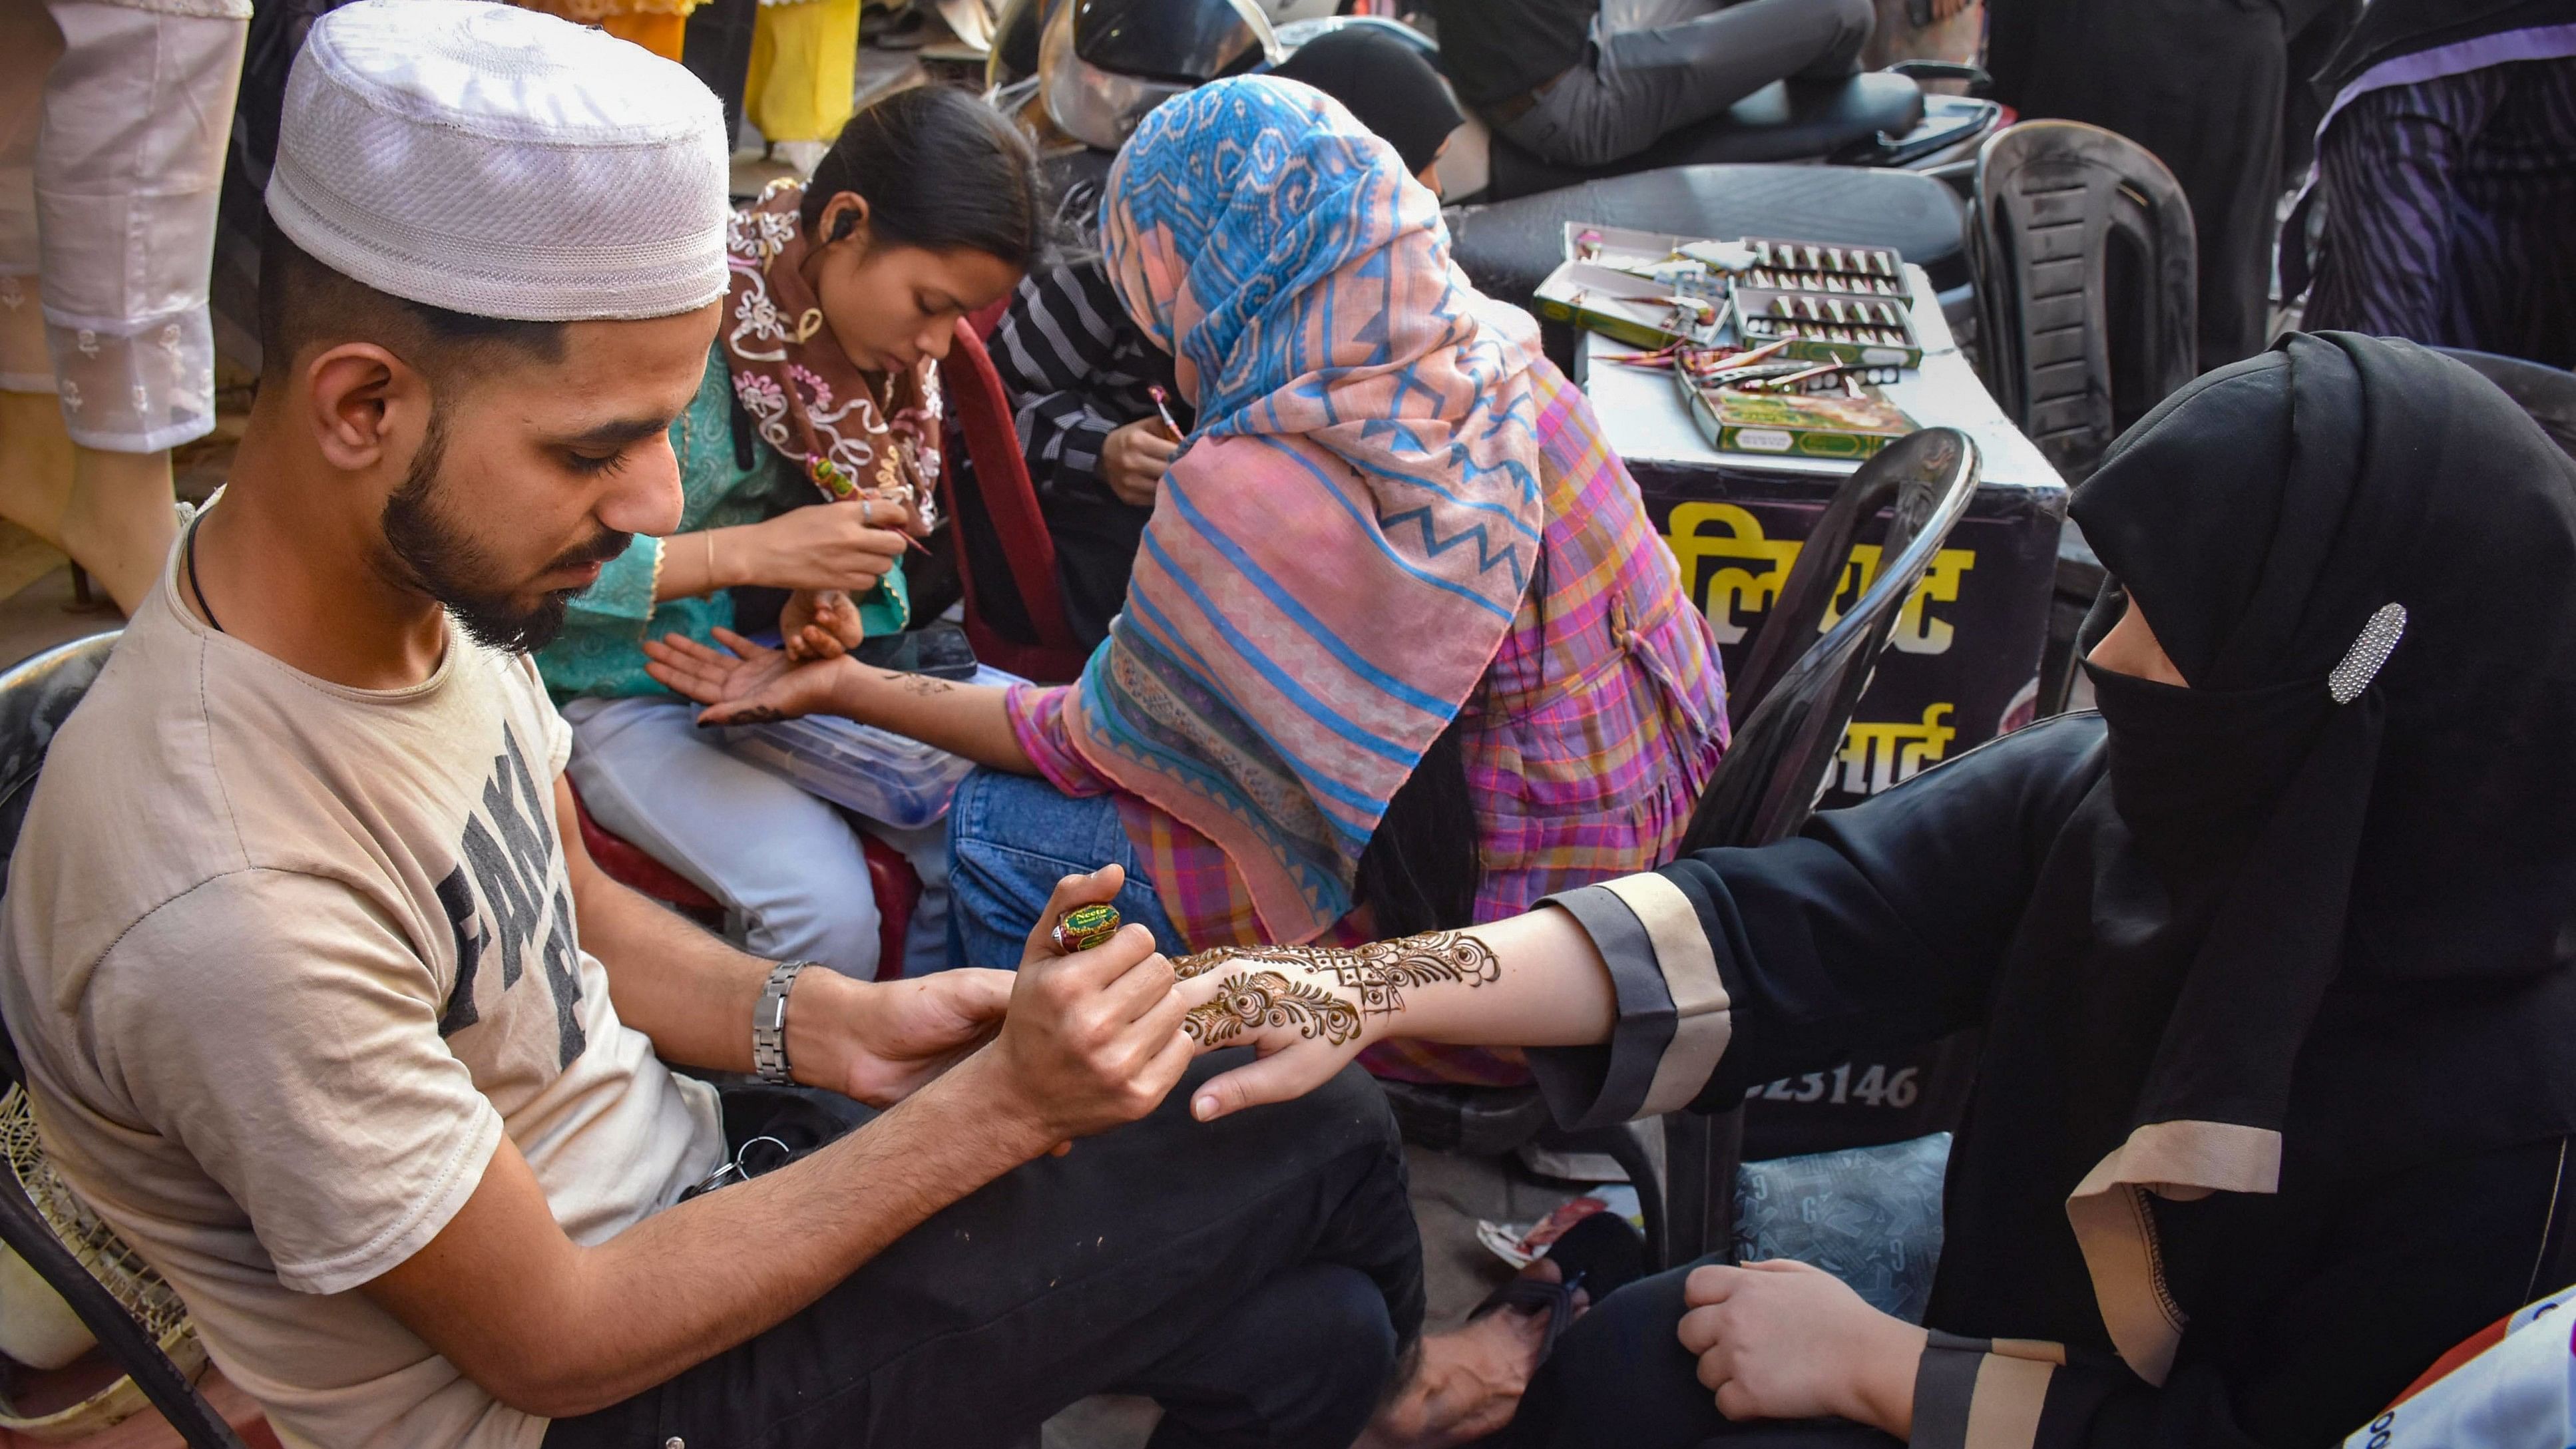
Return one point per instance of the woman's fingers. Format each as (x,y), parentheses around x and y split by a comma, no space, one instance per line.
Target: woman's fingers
(742,647)
(687,679)
(1700,1330)
(1283,1076)
(681,649)
(1714,1283)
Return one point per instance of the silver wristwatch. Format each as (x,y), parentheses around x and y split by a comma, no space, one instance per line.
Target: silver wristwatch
(769,1023)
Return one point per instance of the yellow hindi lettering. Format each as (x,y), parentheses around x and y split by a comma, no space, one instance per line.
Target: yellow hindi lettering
(1880,756)
(1752,568)
(1732,587)
(1916,631)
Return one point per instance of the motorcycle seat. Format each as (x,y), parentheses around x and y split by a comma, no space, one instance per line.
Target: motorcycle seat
(1508,247)
(1783,121)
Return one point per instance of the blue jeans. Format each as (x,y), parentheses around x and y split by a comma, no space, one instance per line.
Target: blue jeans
(1010,839)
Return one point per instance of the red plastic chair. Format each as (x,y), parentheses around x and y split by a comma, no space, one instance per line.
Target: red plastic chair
(896,884)
(982,411)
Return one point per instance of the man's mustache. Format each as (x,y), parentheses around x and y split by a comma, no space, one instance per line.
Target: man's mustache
(601,550)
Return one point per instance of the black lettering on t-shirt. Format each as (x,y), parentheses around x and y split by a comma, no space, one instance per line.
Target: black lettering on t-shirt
(456,894)
(563,977)
(515,870)
(529,841)
(514,903)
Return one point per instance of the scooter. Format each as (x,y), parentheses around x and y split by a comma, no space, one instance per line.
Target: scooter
(1091,69)
(1866,159)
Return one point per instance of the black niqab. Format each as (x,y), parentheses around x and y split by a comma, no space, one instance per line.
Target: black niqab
(2259,519)
(2339,931)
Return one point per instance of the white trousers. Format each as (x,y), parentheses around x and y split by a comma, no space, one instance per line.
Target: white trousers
(787,865)
(113,119)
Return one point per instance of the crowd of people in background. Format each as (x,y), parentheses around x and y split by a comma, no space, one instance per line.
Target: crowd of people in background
(564,466)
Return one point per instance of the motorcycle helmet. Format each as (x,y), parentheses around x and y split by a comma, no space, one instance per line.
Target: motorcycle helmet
(1102,64)
(1014,56)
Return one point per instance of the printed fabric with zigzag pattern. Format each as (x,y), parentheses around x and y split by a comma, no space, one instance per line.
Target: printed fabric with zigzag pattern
(1341,546)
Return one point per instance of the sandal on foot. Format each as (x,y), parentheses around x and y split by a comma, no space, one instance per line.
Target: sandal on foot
(1600,1254)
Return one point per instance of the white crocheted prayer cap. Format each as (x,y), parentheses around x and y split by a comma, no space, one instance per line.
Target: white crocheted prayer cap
(504,163)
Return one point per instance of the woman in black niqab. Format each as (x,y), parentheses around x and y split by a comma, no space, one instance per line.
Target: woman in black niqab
(2275,965)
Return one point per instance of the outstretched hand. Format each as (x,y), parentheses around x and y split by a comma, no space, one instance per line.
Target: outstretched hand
(1303,1024)
(751,684)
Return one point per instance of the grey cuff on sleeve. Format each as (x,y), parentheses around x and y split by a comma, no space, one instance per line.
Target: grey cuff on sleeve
(1945,1383)
(1598,1085)
(1977,1393)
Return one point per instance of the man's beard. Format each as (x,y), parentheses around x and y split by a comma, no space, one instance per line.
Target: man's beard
(446,563)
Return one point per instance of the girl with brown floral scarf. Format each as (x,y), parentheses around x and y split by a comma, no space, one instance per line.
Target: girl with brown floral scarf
(808,459)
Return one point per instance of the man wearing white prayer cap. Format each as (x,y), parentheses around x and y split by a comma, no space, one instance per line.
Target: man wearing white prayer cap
(326,1011)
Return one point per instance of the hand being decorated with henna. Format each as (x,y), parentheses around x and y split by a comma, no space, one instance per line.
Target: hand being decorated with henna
(1307,1010)
(744,682)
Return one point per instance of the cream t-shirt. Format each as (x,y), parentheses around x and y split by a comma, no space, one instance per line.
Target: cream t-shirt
(286,961)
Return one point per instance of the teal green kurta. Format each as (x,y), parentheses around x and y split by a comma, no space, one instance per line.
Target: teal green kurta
(600,653)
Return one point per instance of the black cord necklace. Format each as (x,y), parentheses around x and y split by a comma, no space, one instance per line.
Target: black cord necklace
(189,549)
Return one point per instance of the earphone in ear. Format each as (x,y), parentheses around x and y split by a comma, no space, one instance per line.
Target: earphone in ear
(842,228)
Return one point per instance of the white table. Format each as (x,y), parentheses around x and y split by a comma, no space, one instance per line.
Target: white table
(1647,421)
(1965,661)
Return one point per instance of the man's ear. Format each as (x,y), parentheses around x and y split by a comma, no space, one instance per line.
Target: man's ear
(367,405)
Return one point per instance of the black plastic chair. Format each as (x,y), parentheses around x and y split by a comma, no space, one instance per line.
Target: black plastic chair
(1800,704)
(2087,282)
(1491,1121)
(35,698)
(2089,277)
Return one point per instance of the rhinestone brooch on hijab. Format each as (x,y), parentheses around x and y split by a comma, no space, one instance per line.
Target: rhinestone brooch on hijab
(2361,663)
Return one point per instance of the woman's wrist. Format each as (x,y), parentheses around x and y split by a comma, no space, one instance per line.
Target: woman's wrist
(731,555)
(1883,1377)
(855,689)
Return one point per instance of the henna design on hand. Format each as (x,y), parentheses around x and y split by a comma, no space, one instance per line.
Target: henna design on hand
(1379,973)
(1268,999)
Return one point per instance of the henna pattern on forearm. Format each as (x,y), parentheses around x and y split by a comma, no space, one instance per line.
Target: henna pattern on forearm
(920,685)
(1268,999)
(1378,973)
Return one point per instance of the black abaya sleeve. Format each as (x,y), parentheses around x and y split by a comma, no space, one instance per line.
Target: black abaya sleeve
(1879,926)
(2309,1313)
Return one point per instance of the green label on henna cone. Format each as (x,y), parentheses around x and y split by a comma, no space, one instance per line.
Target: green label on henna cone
(1084,927)
(831,478)
(1268,999)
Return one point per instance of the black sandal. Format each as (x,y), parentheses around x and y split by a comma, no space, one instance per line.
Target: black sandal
(1601,1253)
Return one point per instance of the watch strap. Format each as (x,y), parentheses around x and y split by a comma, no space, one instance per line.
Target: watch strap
(769,1023)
